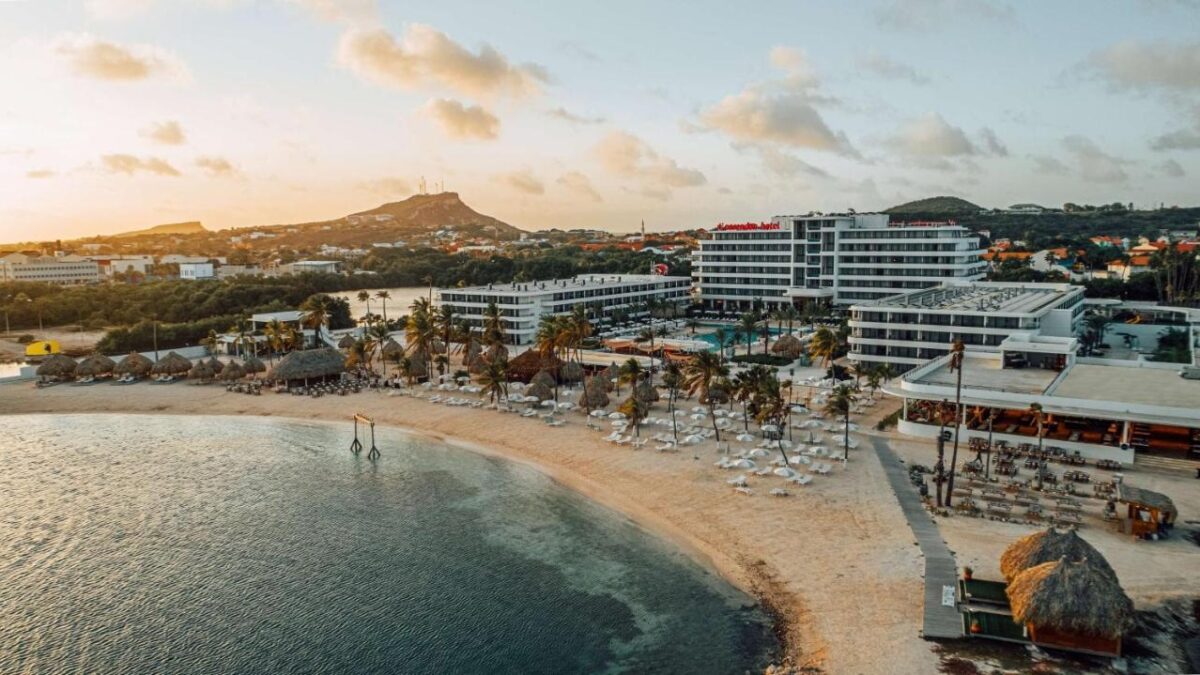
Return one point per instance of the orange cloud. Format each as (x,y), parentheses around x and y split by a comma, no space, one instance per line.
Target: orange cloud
(167,133)
(129,164)
(464,121)
(92,57)
(217,167)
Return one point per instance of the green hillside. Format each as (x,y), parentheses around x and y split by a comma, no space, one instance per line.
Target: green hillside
(936,206)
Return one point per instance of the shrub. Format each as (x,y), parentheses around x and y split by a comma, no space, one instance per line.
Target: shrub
(25,339)
(889,421)
(762,359)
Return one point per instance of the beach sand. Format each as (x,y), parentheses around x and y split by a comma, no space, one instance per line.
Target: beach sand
(836,562)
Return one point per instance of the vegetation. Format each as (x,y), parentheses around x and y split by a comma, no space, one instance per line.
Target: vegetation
(762,359)
(1173,346)
(936,206)
(890,421)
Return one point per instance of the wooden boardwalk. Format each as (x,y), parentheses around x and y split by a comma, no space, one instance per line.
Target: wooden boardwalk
(941,619)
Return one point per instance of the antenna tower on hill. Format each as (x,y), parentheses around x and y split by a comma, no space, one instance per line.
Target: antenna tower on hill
(421,186)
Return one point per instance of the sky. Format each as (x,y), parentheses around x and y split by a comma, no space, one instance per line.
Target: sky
(121,114)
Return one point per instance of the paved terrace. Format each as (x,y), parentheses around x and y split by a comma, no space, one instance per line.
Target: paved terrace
(988,374)
(1146,386)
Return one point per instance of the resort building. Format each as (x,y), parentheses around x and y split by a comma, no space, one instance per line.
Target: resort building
(1110,409)
(311,267)
(522,305)
(909,329)
(194,271)
(835,258)
(48,270)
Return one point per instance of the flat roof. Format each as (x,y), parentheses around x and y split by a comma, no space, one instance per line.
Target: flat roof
(986,373)
(1145,386)
(577,282)
(287,315)
(992,298)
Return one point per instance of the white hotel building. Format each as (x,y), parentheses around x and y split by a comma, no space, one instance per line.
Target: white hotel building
(48,270)
(909,329)
(837,258)
(522,305)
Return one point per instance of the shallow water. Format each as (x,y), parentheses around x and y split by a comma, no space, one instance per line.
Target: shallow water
(253,545)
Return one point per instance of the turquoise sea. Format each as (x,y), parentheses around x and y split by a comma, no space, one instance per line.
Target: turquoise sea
(165,544)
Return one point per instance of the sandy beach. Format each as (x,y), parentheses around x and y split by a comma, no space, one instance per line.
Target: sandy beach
(836,562)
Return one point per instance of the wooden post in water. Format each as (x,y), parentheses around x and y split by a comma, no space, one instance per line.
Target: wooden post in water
(357,445)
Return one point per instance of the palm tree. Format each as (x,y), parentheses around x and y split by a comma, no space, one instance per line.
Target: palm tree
(692,324)
(822,346)
(274,332)
(377,336)
(873,377)
(580,329)
(1039,418)
(630,372)
(957,349)
(886,373)
(839,403)
(365,297)
(859,370)
(701,376)
(748,326)
(419,331)
(722,337)
(494,378)
(672,379)
(384,296)
(444,320)
(210,342)
(493,325)
(635,409)
(316,312)
(790,315)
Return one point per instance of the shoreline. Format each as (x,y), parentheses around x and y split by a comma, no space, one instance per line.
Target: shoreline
(760,545)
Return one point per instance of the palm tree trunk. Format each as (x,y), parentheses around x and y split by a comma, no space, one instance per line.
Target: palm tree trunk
(712,413)
(957,425)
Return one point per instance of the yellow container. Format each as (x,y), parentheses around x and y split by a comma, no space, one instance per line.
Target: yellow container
(42,348)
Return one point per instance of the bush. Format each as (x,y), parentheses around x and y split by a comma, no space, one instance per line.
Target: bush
(25,339)
(890,421)
(762,359)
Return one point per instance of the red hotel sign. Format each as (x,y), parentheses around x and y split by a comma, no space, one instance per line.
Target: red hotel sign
(745,227)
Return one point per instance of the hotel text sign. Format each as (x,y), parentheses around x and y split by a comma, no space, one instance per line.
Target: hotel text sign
(743,227)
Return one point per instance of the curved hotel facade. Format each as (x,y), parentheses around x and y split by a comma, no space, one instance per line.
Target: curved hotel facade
(835,258)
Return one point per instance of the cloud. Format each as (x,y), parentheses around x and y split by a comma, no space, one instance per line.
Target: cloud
(628,156)
(426,57)
(931,136)
(40,173)
(781,112)
(340,10)
(116,9)
(217,167)
(94,58)
(779,163)
(888,69)
(1183,139)
(1171,169)
(1095,165)
(579,184)
(463,121)
(129,164)
(923,15)
(167,133)
(1050,166)
(522,181)
(992,143)
(1142,66)
(387,187)
(568,116)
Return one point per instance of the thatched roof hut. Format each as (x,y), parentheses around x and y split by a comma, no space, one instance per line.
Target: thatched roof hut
(609,374)
(391,349)
(527,364)
(789,346)
(1047,546)
(202,371)
(541,390)
(1148,498)
(134,364)
(418,365)
(496,351)
(253,364)
(595,393)
(437,346)
(57,365)
(171,364)
(216,365)
(646,392)
(233,371)
(571,372)
(1071,597)
(473,350)
(543,377)
(346,342)
(308,364)
(96,364)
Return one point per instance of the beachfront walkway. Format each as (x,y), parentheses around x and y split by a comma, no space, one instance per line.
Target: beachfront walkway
(941,619)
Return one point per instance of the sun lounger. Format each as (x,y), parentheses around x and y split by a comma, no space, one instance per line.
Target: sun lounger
(779,492)
(743,491)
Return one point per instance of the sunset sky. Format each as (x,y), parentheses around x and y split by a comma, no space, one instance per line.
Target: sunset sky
(119,114)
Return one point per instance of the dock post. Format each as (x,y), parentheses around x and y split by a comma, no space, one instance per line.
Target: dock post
(356,445)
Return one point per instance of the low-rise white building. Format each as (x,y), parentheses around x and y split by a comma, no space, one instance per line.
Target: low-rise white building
(49,270)
(193,271)
(909,329)
(311,267)
(522,305)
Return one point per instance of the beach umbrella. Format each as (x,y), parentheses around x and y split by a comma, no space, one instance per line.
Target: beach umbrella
(171,364)
(216,365)
(202,371)
(699,409)
(1047,546)
(346,342)
(745,438)
(743,464)
(784,472)
(233,371)
(799,459)
(549,403)
(134,364)
(698,416)
(308,364)
(572,372)
(57,365)
(620,424)
(566,405)
(737,481)
(96,364)
(1073,597)
(770,428)
(758,452)
(253,364)
(599,413)
(616,416)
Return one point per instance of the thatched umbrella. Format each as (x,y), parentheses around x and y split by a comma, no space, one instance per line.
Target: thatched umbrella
(233,371)
(543,377)
(418,365)
(609,374)
(437,346)
(96,364)
(216,365)
(789,346)
(202,371)
(346,342)
(473,351)
(646,392)
(496,351)
(391,349)
(595,393)
(540,390)
(253,364)
(1076,597)
(572,372)
(527,364)
(57,365)
(171,364)
(1047,546)
(308,364)
(134,364)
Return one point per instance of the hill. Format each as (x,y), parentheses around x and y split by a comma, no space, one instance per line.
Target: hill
(190,227)
(422,214)
(936,206)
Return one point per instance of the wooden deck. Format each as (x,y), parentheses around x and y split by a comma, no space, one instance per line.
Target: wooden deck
(941,618)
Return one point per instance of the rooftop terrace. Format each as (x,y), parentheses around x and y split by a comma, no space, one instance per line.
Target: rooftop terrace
(982,297)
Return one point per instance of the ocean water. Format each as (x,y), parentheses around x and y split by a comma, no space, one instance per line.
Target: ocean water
(164,544)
